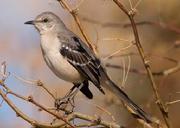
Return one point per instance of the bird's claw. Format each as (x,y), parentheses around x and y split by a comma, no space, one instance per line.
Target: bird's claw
(64,103)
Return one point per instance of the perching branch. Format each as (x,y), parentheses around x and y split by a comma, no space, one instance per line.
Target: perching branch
(5,91)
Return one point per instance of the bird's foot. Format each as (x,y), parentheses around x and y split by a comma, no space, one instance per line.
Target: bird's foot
(68,100)
(65,103)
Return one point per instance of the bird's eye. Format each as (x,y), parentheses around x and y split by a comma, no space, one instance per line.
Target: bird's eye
(45,20)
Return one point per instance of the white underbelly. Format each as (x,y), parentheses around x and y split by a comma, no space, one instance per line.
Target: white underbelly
(62,68)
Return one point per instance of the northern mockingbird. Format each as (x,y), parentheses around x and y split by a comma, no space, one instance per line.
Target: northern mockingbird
(72,60)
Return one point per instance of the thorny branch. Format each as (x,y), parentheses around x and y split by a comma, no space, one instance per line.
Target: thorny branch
(159,102)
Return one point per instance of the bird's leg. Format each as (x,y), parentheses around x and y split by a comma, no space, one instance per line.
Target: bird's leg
(59,102)
(68,94)
(62,103)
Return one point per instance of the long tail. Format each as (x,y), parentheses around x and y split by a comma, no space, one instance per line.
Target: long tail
(137,111)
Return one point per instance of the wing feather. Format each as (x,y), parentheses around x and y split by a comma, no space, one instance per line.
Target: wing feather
(80,56)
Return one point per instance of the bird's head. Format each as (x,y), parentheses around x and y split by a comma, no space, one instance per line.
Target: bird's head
(46,22)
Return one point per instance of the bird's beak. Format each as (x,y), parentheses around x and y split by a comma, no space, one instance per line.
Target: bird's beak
(30,22)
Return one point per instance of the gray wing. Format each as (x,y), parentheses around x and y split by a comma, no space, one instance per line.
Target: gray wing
(79,55)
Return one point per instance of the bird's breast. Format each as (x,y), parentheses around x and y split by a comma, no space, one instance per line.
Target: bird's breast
(57,63)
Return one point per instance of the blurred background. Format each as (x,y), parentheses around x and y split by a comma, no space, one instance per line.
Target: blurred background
(104,24)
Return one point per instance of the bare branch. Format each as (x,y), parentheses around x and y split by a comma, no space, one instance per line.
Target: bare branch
(19,113)
(131,15)
(93,120)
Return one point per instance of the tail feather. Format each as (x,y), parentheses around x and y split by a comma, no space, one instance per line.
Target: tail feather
(139,113)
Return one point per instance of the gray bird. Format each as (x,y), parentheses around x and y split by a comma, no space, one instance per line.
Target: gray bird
(73,61)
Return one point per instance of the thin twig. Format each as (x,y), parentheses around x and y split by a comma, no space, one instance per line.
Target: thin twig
(76,19)
(145,61)
(30,99)
(40,83)
(19,113)
(39,125)
(147,55)
(166,26)
(34,82)
(173,102)
(163,25)
(41,107)
(165,72)
(104,110)
(91,118)
(118,51)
